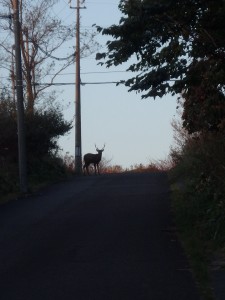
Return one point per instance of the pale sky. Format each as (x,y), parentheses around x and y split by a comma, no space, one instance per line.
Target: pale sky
(134,131)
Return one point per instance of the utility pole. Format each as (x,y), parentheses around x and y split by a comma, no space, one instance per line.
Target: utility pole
(12,73)
(78,152)
(20,107)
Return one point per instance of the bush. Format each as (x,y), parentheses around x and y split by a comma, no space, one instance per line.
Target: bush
(201,168)
(198,201)
(43,129)
(46,170)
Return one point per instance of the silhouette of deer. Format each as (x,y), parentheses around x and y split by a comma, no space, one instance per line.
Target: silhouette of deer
(94,159)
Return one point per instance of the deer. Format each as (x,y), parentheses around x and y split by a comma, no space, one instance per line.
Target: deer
(94,159)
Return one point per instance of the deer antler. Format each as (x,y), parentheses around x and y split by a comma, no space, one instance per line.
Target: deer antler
(102,148)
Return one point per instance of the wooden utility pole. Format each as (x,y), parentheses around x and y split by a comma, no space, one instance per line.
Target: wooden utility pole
(78,152)
(20,104)
(12,74)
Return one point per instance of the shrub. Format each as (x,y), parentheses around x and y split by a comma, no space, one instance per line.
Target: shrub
(43,129)
(201,168)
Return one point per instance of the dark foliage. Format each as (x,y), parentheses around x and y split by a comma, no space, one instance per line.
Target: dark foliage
(43,128)
(42,131)
(179,47)
(200,169)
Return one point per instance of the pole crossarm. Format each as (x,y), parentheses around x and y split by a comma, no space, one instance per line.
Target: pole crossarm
(78,5)
(6,16)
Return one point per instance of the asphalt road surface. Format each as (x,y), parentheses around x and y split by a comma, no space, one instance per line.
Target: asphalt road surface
(108,237)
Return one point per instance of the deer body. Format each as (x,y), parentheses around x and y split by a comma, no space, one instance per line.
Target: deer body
(94,159)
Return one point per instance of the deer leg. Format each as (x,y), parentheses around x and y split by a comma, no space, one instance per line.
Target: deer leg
(98,169)
(87,168)
(84,167)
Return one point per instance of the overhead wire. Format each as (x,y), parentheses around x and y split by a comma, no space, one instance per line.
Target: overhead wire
(51,56)
(73,83)
(82,73)
(5,38)
(73,55)
(101,2)
(87,73)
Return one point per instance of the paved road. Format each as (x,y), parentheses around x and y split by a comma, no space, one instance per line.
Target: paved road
(108,237)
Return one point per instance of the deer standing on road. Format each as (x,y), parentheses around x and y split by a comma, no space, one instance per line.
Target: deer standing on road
(94,159)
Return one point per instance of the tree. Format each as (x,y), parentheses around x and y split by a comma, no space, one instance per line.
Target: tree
(174,47)
(41,36)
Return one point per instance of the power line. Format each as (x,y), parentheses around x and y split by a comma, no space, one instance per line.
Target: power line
(6,38)
(104,82)
(39,47)
(51,56)
(101,2)
(104,72)
(91,72)
(73,83)
(82,73)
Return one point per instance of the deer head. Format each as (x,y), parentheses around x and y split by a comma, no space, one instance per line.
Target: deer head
(94,159)
(98,150)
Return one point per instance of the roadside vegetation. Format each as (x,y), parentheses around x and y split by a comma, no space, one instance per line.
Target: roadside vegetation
(153,166)
(198,189)
(44,164)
